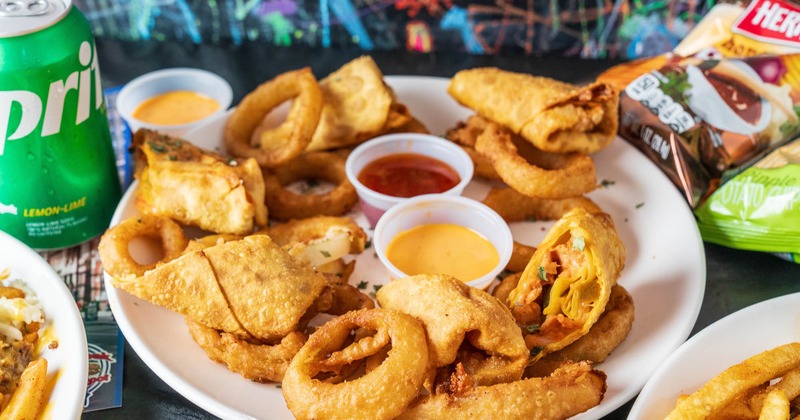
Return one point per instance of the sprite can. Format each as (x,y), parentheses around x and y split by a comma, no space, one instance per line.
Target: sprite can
(58,179)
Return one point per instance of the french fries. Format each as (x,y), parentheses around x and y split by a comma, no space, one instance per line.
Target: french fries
(776,406)
(744,390)
(27,400)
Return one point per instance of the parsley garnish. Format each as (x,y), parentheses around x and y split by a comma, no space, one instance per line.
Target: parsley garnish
(368,244)
(533,328)
(536,350)
(638,206)
(607,183)
(362,285)
(156,147)
(541,274)
(324,253)
(376,287)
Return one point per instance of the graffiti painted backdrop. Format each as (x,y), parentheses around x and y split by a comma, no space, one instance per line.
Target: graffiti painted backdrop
(586,28)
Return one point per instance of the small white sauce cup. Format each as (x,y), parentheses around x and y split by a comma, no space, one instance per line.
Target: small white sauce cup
(159,82)
(438,208)
(374,204)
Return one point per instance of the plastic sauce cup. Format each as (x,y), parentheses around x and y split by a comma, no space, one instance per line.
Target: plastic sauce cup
(374,204)
(438,208)
(159,82)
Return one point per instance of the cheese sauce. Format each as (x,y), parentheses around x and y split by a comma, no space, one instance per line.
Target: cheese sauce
(175,108)
(441,248)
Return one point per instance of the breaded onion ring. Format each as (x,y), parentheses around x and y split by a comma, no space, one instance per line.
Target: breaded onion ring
(513,206)
(464,134)
(568,175)
(463,324)
(275,146)
(254,361)
(606,334)
(383,392)
(113,248)
(520,256)
(284,204)
(572,389)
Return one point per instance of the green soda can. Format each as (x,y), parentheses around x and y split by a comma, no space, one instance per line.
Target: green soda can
(58,178)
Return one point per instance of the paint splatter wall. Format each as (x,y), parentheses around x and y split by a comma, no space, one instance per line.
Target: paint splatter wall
(586,28)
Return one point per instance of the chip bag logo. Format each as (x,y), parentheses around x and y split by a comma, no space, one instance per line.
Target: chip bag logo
(100,363)
(774,22)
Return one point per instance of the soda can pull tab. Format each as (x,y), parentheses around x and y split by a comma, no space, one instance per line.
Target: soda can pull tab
(21,8)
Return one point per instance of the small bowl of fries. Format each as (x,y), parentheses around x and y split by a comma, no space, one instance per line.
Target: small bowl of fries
(444,234)
(405,165)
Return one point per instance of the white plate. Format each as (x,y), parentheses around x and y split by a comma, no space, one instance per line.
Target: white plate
(67,364)
(727,342)
(665,273)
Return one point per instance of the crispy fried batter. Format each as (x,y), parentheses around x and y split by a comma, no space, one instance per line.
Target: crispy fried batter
(568,281)
(254,361)
(606,334)
(249,287)
(454,314)
(196,187)
(513,206)
(383,392)
(247,132)
(570,390)
(543,175)
(286,205)
(552,115)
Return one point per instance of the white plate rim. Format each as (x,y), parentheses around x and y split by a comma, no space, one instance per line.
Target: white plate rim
(695,362)
(693,270)
(70,360)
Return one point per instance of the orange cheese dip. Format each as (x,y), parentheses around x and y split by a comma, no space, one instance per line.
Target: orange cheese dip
(175,108)
(442,248)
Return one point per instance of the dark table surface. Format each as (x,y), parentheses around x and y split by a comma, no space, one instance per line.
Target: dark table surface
(735,279)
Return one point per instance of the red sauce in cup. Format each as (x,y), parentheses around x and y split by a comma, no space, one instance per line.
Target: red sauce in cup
(408,175)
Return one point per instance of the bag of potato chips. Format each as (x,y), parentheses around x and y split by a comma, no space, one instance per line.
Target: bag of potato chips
(703,121)
(719,115)
(731,30)
(759,209)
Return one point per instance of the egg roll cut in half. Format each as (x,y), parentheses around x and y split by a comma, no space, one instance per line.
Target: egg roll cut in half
(568,281)
(249,287)
(197,187)
(554,116)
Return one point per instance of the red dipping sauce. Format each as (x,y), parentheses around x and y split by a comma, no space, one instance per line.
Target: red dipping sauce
(408,175)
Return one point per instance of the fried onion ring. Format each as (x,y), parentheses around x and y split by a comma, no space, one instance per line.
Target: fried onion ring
(541,174)
(513,206)
(520,256)
(275,146)
(464,134)
(114,244)
(284,204)
(254,361)
(571,390)
(383,392)
(606,334)
(463,324)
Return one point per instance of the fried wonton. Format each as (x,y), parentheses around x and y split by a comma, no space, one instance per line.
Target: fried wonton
(197,187)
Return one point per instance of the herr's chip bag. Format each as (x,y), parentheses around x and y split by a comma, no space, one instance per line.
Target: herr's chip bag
(759,209)
(703,120)
(709,112)
(731,30)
